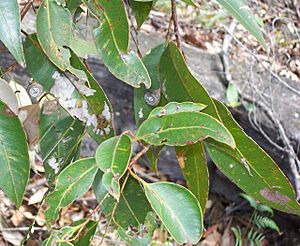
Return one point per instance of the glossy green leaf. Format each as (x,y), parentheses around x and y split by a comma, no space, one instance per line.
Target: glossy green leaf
(178,83)
(10,30)
(14,159)
(141,108)
(193,165)
(178,209)
(183,128)
(73,182)
(132,208)
(60,137)
(54,32)
(176,76)
(112,157)
(174,107)
(242,13)
(38,64)
(140,10)
(112,39)
(251,168)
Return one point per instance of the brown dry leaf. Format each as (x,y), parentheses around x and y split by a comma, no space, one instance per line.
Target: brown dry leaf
(29,116)
(13,237)
(8,96)
(17,217)
(212,240)
(227,239)
(37,197)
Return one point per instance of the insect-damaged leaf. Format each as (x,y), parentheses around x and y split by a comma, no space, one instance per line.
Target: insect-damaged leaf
(183,128)
(132,207)
(57,237)
(54,32)
(144,235)
(14,159)
(73,182)
(174,107)
(251,168)
(60,138)
(178,209)
(10,30)
(112,157)
(193,165)
(82,99)
(112,39)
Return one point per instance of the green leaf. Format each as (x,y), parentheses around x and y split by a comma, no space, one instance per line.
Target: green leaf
(83,48)
(183,128)
(153,155)
(178,209)
(38,64)
(243,14)
(232,96)
(250,168)
(193,165)
(86,235)
(54,32)
(74,181)
(60,138)
(178,83)
(64,233)
(14,159)
(10,30)
(72,5)
(131,209)
(115,14)
(141,108)
(112,39)
(112,157)
(174,107)
(140,10)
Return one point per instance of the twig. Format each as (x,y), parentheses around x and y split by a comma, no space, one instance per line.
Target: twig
(297,91)
(224,52)
(134,160)
(134,38)
(25,9)
(175,23)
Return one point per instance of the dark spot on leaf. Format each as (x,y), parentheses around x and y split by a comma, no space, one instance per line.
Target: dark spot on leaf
(274,196)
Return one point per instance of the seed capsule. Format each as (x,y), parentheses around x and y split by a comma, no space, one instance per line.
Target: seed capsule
(152,98)
(35,90)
